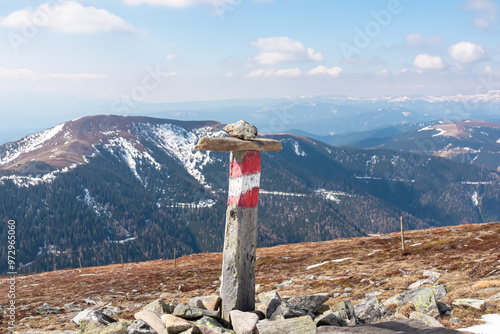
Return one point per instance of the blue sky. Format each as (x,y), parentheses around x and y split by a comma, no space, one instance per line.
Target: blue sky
(149,51)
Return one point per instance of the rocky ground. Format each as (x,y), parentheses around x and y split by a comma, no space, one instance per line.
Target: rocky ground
(438,275)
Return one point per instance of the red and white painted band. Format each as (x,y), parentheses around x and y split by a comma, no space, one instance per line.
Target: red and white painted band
(244,181)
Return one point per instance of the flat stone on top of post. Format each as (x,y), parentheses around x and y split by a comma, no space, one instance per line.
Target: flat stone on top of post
(240,240)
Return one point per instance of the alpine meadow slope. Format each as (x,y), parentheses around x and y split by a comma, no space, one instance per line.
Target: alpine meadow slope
(104,189)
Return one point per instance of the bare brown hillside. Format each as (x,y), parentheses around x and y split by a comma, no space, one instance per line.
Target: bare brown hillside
(467,256)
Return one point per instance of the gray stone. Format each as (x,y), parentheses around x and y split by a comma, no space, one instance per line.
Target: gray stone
(406,297)
(399,326)
(327,319)
(114,328)
(267,297)
(495,297)
(311,303)
(455,320)
(140,327)
(175,325)
(469,302)
(302,325)
(241,130)
(426,319)
(231,144)
(286,311)
(209,325)
(192,330)
(187,312)
(159,306)
(153,319)
(346,313)
(92,315)
(46,309)
(430,273)
(371,310)
(424,281)
(425,302)
(211,303)
(284,284)
(243,322)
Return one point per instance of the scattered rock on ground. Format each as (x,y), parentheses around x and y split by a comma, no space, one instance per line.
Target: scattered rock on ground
(211,303)
(311,303)
(175,325)
(371,310)
(469,302)
(140,327)
(426,319)
(159,306)
(243,322)
(93,316)
(301,325)
(153,319)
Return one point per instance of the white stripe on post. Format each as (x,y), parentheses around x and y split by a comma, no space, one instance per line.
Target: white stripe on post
(240,242)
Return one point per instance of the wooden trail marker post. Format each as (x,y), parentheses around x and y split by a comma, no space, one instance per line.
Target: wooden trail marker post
(240,240)
(402,234)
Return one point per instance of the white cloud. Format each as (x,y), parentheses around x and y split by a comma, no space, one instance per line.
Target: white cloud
(67,17)
(427,62)
(485,12)
(189,3)
(261,73)
(274,50)
(323,70)
(271,72)
(228,74)
(23,73)
(289,73)
(419,40)
(466,52)
(169,57)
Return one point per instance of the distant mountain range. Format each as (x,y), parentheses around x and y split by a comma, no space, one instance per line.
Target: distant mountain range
(105,189)
(331,117)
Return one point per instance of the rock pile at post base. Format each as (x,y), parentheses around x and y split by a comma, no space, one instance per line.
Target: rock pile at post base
(292,315)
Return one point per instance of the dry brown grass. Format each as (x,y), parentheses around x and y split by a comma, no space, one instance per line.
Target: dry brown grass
(486,284)
(452,251)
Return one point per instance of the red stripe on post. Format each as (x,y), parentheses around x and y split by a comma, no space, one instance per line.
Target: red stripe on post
(248,200)
(249,165)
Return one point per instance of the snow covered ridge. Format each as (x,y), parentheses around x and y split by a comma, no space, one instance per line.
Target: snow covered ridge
(28,144)
(27,181)
(179,143)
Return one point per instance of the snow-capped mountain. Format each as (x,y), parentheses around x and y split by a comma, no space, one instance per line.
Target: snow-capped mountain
(68,145)
(102,188)
(475,142)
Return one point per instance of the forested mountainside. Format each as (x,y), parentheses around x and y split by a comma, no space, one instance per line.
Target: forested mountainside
(105,189)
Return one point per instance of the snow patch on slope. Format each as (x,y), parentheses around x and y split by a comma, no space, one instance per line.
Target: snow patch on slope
(130,154)
(331,195)
(29,144)
(179,143)
(27,181)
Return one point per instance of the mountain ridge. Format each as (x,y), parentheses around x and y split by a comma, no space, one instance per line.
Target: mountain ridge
(139,195)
